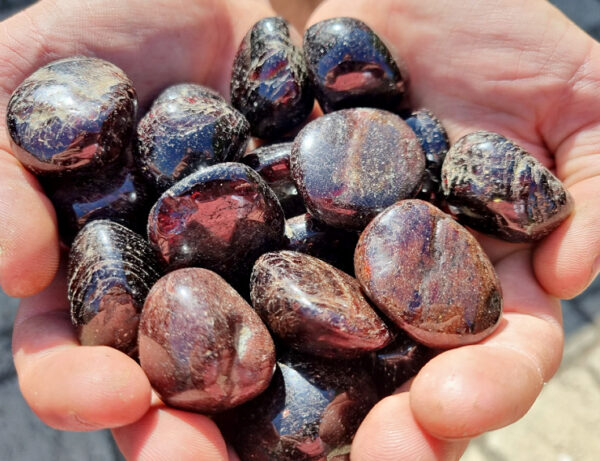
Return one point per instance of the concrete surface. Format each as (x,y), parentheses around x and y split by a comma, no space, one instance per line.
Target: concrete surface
(562,425)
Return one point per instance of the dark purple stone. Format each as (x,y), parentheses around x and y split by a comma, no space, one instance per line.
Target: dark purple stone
(310,412)
(202,346)
(495,187)
(71,116)
(314,307)
(186,129)
(351,164)
(110,272)
(272,163)
(269,82)
(350,66)
(434,141)
(222,218)
(118,193)
(428,275)
(398,362)
(307,235)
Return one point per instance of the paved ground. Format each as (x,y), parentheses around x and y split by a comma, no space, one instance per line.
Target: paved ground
(563,424)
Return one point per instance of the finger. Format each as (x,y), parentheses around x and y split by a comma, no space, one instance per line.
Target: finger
(391,433)
(28,238)
(68,386)
(168,434)
(470,390)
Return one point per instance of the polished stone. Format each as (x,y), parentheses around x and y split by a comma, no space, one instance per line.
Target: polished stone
(73,115)
(269,82)
(351,67)
(496,187)
(429,275)
(202,346)
(187,128)
(314,307)
(351,164)
(110,272)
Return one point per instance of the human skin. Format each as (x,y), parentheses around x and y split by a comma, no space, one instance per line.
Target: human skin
(518,68)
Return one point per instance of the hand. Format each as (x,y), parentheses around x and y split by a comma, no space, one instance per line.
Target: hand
(524,70)
(157,43)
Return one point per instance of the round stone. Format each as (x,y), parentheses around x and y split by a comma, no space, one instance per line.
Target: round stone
(315,307)
(188,128)
(269,82)
(202,346)
(352,164)
(72,115)
(350,66)
(429,275)
(496,187)
(110,272)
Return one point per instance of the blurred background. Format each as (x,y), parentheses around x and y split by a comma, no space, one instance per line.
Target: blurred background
(562,425)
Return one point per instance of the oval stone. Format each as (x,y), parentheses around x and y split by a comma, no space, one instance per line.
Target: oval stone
(310,412)
(222,218)
(72,115)
(202,346)
(351,164)
(269,82)
(272,163)
(315,307)
(428,275)
(496,187)
(110,272)
(187,129)
(350,66)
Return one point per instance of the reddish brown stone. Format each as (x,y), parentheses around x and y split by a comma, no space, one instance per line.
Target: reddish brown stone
(315,307)
(429,275)
(351,164)
(202,346)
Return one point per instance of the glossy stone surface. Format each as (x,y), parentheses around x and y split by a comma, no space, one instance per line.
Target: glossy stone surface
(310,412)
(350,66)
(496,187)
(222,218)
(202,346)
(315,307)
(351,164)
(307,235)
(110,272)
(269,82)
(428,275)
(188,128)
(396,363)
(434,141)
(118,193)
(71,115)
(272,162)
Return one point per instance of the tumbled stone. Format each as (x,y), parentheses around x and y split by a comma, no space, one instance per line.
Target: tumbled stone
(310,412)
(351,164)
(71,115)
(428,275)
(202,346)
(315,307)
(350,66)
(187,129)
(307,235)
(272,163)
(222,217)
(269,82)
(496,187)
(118,193)
(396,363)
(110,272)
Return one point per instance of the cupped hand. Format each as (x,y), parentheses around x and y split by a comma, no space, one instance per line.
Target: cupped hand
(524,70)
(157,43)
